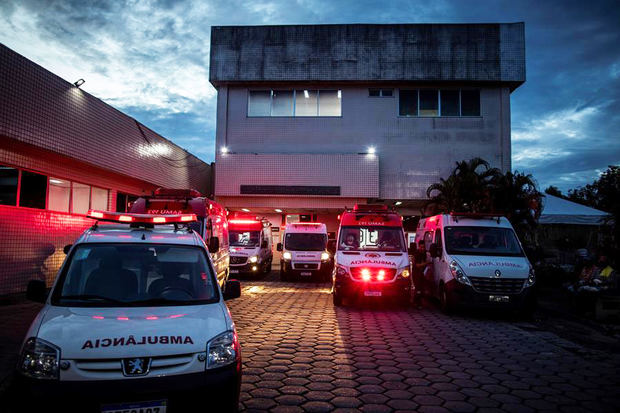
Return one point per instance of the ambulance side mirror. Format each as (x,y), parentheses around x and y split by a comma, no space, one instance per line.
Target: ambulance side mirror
(67,248)
(36,291)
(279,247)
(214,245)
(233,290)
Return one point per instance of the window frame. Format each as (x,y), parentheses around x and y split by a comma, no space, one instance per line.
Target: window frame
(294,90)
(381,95)
(460,115)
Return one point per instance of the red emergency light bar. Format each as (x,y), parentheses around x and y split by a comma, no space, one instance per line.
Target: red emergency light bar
(308,223)
(476,215)
(177,193)
(243,221)
(370,207)
(141,218)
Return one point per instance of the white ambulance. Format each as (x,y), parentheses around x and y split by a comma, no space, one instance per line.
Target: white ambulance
(304,251)
(476,259)
(371,257)
(135,322)
(251,248)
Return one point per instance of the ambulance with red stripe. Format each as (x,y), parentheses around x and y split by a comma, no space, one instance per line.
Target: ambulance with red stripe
(250,243)
(211,222)
(371,257)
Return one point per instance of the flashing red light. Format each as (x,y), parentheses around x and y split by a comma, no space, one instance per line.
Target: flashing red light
(95,214)
(141,218)
(122,318)
(152,317)
(381,275)
(98,317)
(366,274)
(187,218)
(432,219)
(125,218)
(243,221)
(176,315)
(159,220)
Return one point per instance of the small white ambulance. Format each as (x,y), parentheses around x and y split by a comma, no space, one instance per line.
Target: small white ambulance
(304,251)
(476,259)
(251,245)
(371,257)
(135,322)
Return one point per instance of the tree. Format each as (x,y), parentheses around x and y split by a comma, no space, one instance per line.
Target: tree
(555,191)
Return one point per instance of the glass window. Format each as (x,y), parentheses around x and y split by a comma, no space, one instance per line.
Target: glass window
(408,103)
(470,103)
(244,238)
(429,104)
(305,242)
(371,239)
(8,185)
(99,199)
(374,92)
(329,102)
(282,103)
(106,275)
(386,92)
(33,190)
(306,103)
(59,194)
(259,103)
(450,103)
(483,241)
(80,201)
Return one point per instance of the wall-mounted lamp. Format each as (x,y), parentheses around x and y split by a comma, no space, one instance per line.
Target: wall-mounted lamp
(371,150)
(397,203)
(79,82)
(224,149)
(278,210)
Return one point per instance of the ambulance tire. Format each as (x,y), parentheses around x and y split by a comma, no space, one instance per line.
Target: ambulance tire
(445,302)
(337,299)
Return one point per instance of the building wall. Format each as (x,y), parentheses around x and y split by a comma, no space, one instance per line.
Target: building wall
(412,152)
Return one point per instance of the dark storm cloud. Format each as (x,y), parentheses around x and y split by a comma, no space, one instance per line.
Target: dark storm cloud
(150,59)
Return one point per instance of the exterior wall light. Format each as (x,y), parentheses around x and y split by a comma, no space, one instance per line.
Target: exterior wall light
(397,203)
(371,150)
(224,149)
(245,210)
(79,82)
(278,210)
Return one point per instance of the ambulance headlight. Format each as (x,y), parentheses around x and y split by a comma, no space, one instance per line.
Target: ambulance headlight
(341,271)
(459,274)
(223,350)
(253,259)
(324,256)
(531,278)
(39,359)
(405,273)
(287,255)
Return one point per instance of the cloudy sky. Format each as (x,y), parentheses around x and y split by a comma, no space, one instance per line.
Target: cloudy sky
(150,60)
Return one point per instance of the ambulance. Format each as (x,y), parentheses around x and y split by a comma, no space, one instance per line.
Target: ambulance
(211,222)
(476,259)
(135,322)
(304,251)
(251,246)
(371,256)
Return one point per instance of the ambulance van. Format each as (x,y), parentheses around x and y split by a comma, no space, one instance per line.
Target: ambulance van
(250,243)
(476,259)
(371,256)
(304,251)
(211,222)
(135,322)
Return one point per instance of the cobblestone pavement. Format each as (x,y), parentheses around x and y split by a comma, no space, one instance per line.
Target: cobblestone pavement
(302,354)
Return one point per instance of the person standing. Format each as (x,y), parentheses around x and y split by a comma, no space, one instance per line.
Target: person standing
(420,262)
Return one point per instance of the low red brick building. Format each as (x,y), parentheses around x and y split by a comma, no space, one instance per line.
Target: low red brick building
(63,151)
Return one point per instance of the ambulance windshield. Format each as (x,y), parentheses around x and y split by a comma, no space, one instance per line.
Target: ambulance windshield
(122,275)
(371,238)
(305,242)
(482,241)
(244,238)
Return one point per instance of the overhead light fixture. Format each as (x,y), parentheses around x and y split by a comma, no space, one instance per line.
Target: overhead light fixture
(278,210)
(56,181)
(371,150)
(79,82)
(224,149)
(340,94)
(306,94)
(245,210)
(397,203)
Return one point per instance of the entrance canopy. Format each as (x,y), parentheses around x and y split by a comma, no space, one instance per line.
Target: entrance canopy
(561,211)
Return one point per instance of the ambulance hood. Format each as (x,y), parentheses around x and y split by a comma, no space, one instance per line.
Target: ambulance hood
(244,251)
(485,266)
(91,333)
(370,259)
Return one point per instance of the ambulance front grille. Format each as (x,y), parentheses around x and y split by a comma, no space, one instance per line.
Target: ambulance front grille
(238,260)
(497,285)
(159,365)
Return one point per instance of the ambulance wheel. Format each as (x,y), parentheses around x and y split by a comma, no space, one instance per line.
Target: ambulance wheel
(337,299)
(445,303)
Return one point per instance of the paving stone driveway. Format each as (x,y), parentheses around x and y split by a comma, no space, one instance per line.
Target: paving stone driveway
(302,354)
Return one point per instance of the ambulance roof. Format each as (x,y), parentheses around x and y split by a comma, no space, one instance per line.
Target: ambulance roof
(370,215)
(306,227)
(465,220)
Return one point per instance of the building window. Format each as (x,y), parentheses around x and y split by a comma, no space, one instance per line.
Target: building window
(470,103)
(32,190)
(383,93)
(408,103)
(433,102)
(124,202)
(449,102)
(80,198)
(99,199)
(59,195)
(294,103)
(9,178)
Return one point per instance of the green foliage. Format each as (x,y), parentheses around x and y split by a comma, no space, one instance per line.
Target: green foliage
(555,191)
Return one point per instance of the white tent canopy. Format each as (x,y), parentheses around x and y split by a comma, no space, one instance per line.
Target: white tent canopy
(561,211)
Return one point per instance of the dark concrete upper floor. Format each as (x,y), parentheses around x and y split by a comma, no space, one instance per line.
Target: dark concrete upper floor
(476,53)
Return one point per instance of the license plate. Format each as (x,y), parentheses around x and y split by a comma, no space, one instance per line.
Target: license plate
(157,406)
(306,273)
(499,298)
(234,271)
(372,293)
